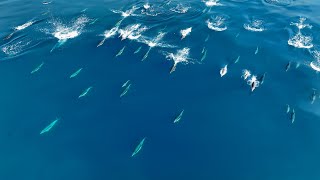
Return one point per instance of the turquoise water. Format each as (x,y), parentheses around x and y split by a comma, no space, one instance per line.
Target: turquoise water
(62,117)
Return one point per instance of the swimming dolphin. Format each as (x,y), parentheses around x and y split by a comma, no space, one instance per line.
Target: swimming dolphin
(237,60)
(121,51)
(288,108)
(125,91)
(288,66)
(257,50)
(50,126)
(261,78)
(75,73)
(293,116)
(313,96)
(85,92)
(138,148)
(178,118)
(224,70)
(37,68)
(138,50)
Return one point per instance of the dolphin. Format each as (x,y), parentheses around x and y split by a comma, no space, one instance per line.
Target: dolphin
(138,148)
(257,50)
(178,118)
(50,126)
(37,68)
(224,70)
(75,73)
(288,66)
(293,116)
(313,96)
(85,92)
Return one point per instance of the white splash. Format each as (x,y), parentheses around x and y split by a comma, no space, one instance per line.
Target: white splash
(155,42)
(132,31)
(180,8)
(217,24)
(185,32)
(63,32)
(253,82)
(315,65)
(224,70)
(108,34)
(146,6)
(255,25)
(300,24)
(127,13)
(301,41)
(211,3)
(246,74)
(23,26)
(181,56)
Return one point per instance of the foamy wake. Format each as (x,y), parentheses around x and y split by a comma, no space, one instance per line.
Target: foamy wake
(126,13)
(210,3)
(180,8)
(217,24)
(301,24)
(155,42)
(301,41)
(315,65)
(150,10)
(255,25)
(132,32)
(23,26)
(15,48)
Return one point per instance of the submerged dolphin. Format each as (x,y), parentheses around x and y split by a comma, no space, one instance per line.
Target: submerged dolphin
(257,50)
(125,91)
(204,55)
(138,50)
(75,73)
(85,92)
(288,108)
(138,148)
(288,66)
(178,118)
(293,116)
(237,60)
(121,51)
(37,68)
(261,78)
(125,84)
(313,96)
(50,126)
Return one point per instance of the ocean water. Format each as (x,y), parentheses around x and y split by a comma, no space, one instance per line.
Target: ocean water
(226,131)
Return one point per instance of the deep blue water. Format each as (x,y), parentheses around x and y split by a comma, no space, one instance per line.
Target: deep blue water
(226,131)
